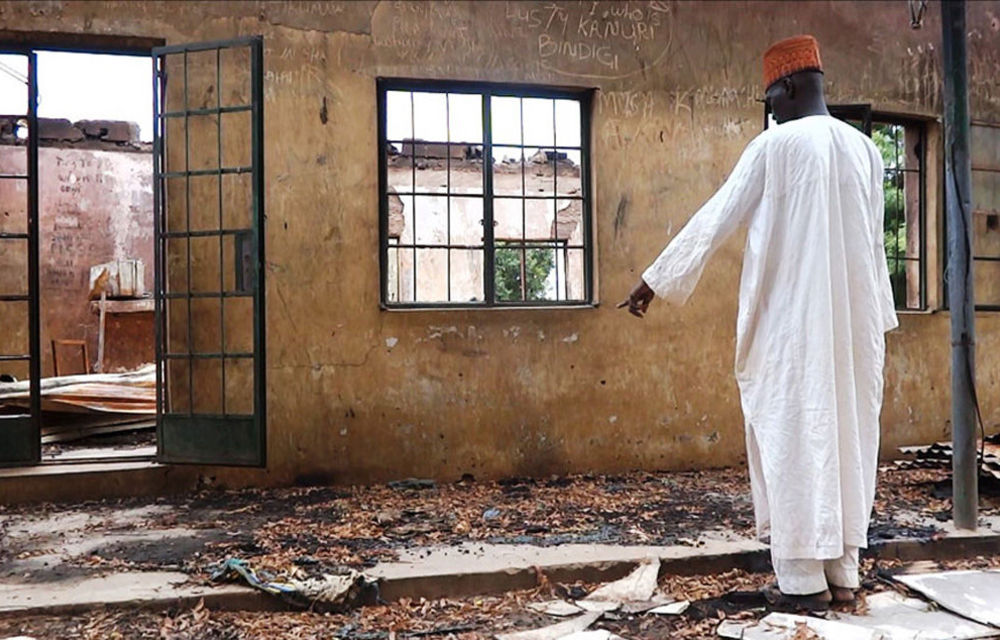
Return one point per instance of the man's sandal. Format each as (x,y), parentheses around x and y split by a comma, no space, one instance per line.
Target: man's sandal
(786,603)
(842,595)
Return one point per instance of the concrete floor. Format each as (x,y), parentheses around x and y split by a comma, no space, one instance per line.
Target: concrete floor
(59,562)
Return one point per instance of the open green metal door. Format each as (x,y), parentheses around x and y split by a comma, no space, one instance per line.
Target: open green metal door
(209,211)
(20,347)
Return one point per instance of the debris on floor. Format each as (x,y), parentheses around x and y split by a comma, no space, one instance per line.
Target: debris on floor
(973,594)
(557,608)
(557,631)
(637,586)
(131,392)
(671,609)
(898,617)
(320,594)
(787,626)
(939,454)
(598,634)
(359,527)
(67,427)
(310,532)
(79,406)
(489,616)
(637,592)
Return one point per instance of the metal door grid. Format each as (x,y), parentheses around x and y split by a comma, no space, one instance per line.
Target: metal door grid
(30,177)
(163,234)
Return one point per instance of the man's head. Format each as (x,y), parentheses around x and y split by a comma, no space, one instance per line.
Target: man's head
(793,76)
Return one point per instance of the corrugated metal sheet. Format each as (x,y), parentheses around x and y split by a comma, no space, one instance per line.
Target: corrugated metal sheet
(937,455)
(129,393)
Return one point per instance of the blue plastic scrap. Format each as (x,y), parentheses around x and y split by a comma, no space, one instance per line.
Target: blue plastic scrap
(234,568)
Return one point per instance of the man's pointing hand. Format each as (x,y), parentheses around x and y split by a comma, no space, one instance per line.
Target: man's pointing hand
(638,300)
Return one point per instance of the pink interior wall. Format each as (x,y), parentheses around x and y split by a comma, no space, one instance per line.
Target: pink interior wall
(94,206)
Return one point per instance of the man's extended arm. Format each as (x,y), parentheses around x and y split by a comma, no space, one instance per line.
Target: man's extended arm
(674,274)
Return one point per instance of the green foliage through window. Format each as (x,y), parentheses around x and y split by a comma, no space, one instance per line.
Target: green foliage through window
(511,263)
(890,140)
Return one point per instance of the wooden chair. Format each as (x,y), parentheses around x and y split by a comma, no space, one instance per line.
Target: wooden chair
(82,344)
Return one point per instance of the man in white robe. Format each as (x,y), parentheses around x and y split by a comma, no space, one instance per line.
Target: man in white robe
(814,305)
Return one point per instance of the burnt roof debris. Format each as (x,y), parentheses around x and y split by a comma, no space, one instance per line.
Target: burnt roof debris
(433,155)
(111,135)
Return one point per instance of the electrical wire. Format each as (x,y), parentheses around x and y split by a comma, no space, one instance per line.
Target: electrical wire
(13,73)
(967,238)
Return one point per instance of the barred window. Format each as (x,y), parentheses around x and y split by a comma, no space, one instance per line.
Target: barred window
(985,152)
(484,195)
(902,144)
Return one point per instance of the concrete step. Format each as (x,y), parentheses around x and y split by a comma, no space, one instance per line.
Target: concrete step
(459,571)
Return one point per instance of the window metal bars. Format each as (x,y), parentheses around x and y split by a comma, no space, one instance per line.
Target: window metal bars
(209,111)
(159,260)
(208,172)
(174,295)
(896,175)
(524,203)
(256,51)
(555,192)
(209,355)
(222,248)
(447,119)
(985,129)
(489,231)
(509,244)
(187,215)
(560,250)
(861,114)
(486,92)
(413,181)
(476,196)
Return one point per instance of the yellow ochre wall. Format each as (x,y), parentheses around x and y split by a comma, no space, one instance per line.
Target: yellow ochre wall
(357,394)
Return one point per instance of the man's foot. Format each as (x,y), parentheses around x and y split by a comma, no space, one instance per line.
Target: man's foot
(842,595)
(787,603)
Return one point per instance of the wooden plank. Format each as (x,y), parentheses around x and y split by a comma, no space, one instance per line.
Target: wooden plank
(79,434)
(99,367)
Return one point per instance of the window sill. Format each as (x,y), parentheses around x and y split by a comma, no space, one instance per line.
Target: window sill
(477,307)
(917,312)
(942,311)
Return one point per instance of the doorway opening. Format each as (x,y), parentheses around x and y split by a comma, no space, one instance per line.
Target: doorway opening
(131,260)
(95,251)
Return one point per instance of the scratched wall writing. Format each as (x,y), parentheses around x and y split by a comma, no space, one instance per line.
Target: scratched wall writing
(596,39)
(626,103)
(353,16)
(464,41)
(633,119)
(94,207)
(293,72)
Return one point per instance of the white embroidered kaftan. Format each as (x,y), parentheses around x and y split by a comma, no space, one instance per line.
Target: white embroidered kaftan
(815,302)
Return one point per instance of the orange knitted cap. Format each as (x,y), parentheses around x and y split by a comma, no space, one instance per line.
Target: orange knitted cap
(790,55)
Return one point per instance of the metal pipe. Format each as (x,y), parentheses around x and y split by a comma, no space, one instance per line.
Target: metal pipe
(958,187)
